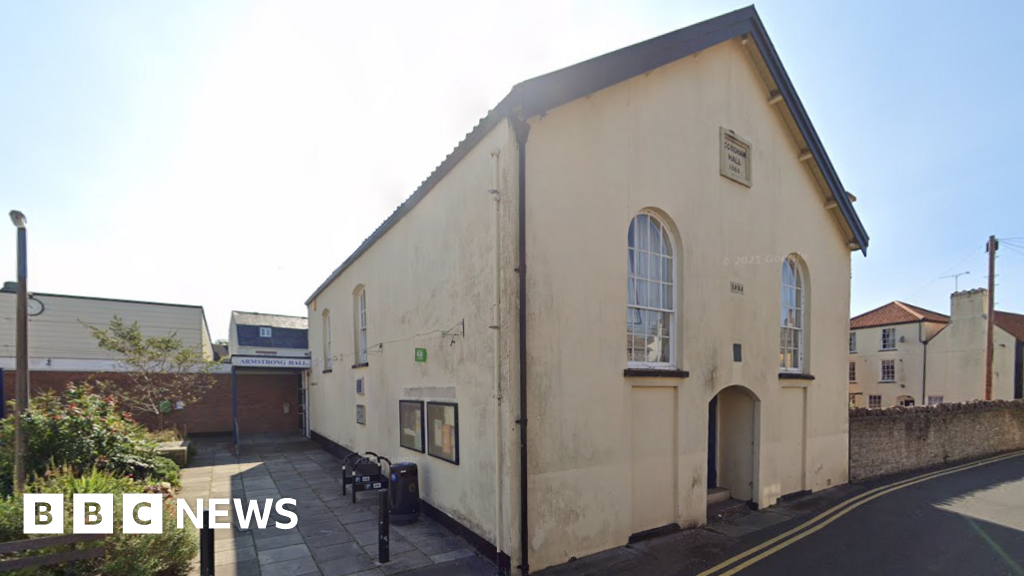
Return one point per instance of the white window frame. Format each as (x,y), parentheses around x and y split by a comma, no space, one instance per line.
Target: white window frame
(881,375)
(800,307)
(871,401)
(363,343)
(672,286)
(891,341)
(853,342)
(266,332)
(853,371)
(328,345)
(934,400)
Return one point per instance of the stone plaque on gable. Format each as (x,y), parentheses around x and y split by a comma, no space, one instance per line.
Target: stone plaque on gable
(734,157)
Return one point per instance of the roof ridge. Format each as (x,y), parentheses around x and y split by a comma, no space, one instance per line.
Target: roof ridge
(268,314)
(862,314)
(537,95)
(915,307)
(908,308)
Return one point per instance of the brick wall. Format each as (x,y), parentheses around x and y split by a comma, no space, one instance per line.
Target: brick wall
(261,402)
(261,399)
(894,440)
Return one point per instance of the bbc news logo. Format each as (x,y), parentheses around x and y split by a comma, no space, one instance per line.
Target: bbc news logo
(144,513)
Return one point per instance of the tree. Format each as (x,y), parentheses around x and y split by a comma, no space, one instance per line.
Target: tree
(159,370)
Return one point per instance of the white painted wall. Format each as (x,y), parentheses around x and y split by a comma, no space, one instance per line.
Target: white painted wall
(909,358)
(956,357)
(592,165)
(595,436)
(431,271)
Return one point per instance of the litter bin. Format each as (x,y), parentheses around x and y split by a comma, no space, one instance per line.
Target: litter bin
(404,493)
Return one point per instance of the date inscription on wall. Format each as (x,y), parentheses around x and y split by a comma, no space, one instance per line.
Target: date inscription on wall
(734,157)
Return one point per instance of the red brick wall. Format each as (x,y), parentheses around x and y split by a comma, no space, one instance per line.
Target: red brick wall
(260,401)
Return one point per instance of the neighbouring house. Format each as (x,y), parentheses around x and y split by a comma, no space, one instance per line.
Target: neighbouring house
(269,354)
(62,349)
(904,355)
(888,348)
(623,296)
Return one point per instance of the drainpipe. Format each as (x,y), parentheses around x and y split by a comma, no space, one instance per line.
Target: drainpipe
(924,368)
(522,130)
(496,327)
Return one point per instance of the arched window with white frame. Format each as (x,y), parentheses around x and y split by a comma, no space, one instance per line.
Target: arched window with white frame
(793,315)
(326,337)
(651,300)
(361,341)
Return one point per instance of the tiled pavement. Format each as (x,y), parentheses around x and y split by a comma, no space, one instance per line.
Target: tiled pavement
(333,538)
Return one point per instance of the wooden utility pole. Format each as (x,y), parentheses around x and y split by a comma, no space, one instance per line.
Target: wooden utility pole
(993,245)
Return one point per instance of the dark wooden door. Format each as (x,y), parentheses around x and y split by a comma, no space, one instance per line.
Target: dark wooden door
(713,443)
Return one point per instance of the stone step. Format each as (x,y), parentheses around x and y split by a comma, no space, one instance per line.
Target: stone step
(716,495)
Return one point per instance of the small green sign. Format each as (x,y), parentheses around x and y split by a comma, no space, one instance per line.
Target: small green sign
(421,354)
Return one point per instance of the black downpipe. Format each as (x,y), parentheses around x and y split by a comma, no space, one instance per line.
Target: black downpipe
(1018,376)
(924,364)
(522,130)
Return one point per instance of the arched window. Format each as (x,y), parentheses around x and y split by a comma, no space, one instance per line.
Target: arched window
(328,355)
(793,314)
(360,326)
(650,308)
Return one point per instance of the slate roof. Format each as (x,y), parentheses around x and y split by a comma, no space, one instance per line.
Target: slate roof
(538,95)
(896,312)
(272,320)
(220,351)
(1012,323)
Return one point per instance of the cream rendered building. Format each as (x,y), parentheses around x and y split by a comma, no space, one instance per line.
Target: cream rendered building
(671,196)
(888,351)
(906,355)
(956,356)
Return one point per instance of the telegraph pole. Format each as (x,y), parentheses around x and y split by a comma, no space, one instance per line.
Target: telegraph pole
(993,245)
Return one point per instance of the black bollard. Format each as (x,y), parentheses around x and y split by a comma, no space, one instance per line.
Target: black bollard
(383,528)
(344,476)
(206,546)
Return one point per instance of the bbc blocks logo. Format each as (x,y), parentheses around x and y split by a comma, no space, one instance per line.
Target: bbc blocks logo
(144,513)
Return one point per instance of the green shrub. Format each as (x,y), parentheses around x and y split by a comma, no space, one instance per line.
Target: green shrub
(165,470)
(165,435)
(166,554)
(80,430)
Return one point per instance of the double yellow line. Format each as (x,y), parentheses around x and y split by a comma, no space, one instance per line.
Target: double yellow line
(832,514)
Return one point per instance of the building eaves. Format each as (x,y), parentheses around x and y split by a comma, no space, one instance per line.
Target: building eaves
(538,95)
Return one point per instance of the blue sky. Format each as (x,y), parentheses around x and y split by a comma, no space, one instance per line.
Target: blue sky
(232,153)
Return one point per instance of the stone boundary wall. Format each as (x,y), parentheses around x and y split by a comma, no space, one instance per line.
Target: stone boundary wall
(898,439)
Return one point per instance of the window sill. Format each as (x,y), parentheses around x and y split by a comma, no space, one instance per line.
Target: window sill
(655,373)
(887,349)
(328,371)
(795,376)
(886,381)
(362,365)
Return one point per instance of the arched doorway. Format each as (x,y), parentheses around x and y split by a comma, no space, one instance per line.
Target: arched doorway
(732,444)
(906,401)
